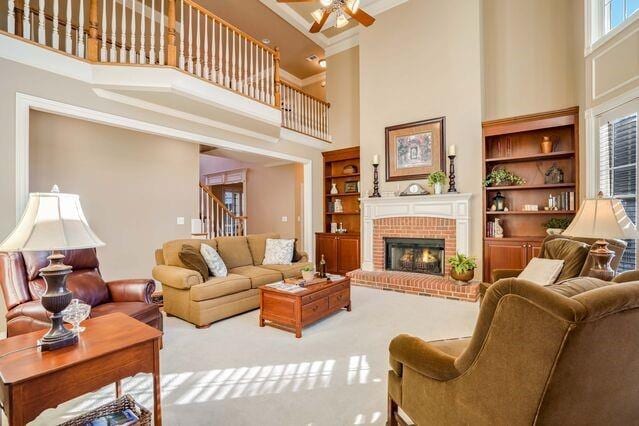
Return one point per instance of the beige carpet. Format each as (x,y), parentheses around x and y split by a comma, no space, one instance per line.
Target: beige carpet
(236,373)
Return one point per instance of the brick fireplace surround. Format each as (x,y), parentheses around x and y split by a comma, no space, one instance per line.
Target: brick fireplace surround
(415,217)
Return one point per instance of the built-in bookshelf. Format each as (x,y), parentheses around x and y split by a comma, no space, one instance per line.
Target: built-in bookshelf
(514,144)
(341,167)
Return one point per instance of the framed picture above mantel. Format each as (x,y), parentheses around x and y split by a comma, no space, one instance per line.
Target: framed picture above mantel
(415,150)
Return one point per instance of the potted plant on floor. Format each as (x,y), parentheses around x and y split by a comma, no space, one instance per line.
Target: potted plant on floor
(462,267)
(437,180)
(557,225)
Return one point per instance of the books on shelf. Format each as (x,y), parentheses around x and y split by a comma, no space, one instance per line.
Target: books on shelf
(562,201)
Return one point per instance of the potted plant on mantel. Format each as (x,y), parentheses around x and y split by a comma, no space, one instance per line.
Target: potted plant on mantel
(462,267)
(437,180)
(557,225)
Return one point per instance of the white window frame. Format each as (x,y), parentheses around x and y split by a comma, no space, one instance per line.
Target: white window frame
(595,25)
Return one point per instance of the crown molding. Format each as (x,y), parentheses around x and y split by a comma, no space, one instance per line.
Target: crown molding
(314,79)
(301,82)
(338,43)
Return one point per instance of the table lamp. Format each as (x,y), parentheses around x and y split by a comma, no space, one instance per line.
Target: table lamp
(602,218)
(53,222)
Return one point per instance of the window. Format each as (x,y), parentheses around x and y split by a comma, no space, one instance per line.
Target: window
(617,11)
(618,171)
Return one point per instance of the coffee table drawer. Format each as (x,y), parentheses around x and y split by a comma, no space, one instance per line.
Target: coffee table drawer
(321,294)
(339,299)
(314,310)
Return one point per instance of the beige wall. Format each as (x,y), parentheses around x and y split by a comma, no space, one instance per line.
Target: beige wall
(422,60)
(316,89)
(531,53)
(132,186)
(343,92)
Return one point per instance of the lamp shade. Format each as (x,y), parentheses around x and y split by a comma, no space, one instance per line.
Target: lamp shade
(602,218)
(51,221)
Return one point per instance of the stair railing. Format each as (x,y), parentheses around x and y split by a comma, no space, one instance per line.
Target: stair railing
(217,219)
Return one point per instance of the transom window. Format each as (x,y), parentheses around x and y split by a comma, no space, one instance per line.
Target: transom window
(617,11)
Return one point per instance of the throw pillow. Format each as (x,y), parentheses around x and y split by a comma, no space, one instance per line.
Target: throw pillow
(542,271)
(192,259)
(573,253)
(278,252)
(297,256)
(213,260)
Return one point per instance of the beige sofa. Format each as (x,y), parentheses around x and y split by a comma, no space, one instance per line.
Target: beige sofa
(187,296)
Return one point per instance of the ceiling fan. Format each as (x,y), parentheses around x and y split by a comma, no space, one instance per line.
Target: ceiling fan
(341,8)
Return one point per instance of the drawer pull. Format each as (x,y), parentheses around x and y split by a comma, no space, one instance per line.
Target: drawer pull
(315,308)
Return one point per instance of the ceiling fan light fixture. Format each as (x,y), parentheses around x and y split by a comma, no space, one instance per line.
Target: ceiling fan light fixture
(322,63)
(341,21)
(317,15)
(353,5)
(326,3)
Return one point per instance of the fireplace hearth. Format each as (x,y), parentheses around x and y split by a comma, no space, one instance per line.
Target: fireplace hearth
(421,255)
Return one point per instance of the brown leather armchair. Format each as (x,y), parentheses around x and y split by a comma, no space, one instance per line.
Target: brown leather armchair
(22,288)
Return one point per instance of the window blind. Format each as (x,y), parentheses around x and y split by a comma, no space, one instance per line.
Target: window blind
(618,172)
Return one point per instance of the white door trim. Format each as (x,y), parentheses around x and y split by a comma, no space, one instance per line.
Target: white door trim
(25,103)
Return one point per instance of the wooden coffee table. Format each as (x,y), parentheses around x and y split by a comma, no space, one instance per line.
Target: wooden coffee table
(292,311)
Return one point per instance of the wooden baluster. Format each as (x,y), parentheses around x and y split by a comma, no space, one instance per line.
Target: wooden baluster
(220,53)
(92,41)
(271,79)
(113,52)
(103,49)
(42,38)
(55,34)
(143,34)
(80,46)
(123,33)
(26,20)
(132,50)
(205,73)
(152,40)
(264,77)
(233,73)
(171,47)
(240,73)
(68,44)
(277,79)
(182,62)
(198,63)
(227,77)
(189,59)
(161,48)
(213,75)
(261,74)
(251,67)
(246,85)
(11,18)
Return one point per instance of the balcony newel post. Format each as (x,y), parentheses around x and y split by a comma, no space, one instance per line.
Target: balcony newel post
(278,82)
(92,41)
(171,47)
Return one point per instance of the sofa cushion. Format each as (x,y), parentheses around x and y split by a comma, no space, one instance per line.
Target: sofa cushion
(77,259)
(259,276)
(573,253)
(234,251)
(257,245)
(293,270)
(193,260)
(220,286)
(86,285)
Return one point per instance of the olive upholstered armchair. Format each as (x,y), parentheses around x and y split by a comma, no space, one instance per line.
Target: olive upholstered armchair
(563,354)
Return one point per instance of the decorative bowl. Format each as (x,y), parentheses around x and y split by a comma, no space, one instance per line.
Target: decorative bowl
(464,276)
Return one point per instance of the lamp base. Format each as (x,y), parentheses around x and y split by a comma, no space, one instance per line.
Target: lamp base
(55,300)
(601,256)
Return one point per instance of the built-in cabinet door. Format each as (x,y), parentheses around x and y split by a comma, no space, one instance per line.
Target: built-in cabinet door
(347,254)
(506,254)
(327,245)
(534,249)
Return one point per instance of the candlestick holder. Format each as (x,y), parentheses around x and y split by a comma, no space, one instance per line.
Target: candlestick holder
(451,176)
(376,182)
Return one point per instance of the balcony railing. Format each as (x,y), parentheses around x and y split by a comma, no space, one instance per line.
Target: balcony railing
(177,33)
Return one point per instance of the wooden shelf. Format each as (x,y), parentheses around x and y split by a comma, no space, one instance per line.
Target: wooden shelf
(540,212)
(532,157)
(344,194)
(522,187)
(343,213)
(342,176)
(523,238)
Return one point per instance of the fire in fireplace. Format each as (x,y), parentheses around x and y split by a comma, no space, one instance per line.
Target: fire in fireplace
(422,255)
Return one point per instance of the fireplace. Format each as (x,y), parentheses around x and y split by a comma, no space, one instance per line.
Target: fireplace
(421,255)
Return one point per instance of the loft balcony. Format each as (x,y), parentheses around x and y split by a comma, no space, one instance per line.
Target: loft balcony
(165,55)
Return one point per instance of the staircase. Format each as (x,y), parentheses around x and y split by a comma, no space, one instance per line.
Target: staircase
(217,220)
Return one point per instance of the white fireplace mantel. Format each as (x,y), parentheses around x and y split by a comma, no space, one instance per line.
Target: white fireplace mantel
(448,206)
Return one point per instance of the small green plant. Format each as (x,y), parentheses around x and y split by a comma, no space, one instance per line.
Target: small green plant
(307,269)
(436,177)
(499,176)
(558,223)
(462,263)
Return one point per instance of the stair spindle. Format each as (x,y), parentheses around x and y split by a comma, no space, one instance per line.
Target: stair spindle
(42,38)
(80,47)
(161,48)
(227,76)
(103,48)
(26,20)
(152,40)
(220,52)
(189,58)
(205,72)
(132,50)
(182,34)
(55,33)
(123,33)
(246,86)
(198,63)
(11,22)
(143,34)
(233,74)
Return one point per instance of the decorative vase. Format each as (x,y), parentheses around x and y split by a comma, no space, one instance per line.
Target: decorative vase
(465,276)
(546,145)
(308,275)
(499,231)
(439,187)
(334,189)
(339,208)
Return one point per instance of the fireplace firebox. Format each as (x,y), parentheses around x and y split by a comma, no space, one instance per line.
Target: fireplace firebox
(421,255)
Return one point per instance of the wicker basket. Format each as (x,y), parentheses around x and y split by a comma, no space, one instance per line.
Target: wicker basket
(119,404)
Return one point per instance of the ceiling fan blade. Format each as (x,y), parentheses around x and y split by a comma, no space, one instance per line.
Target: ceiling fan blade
(317,26)
(361,16)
